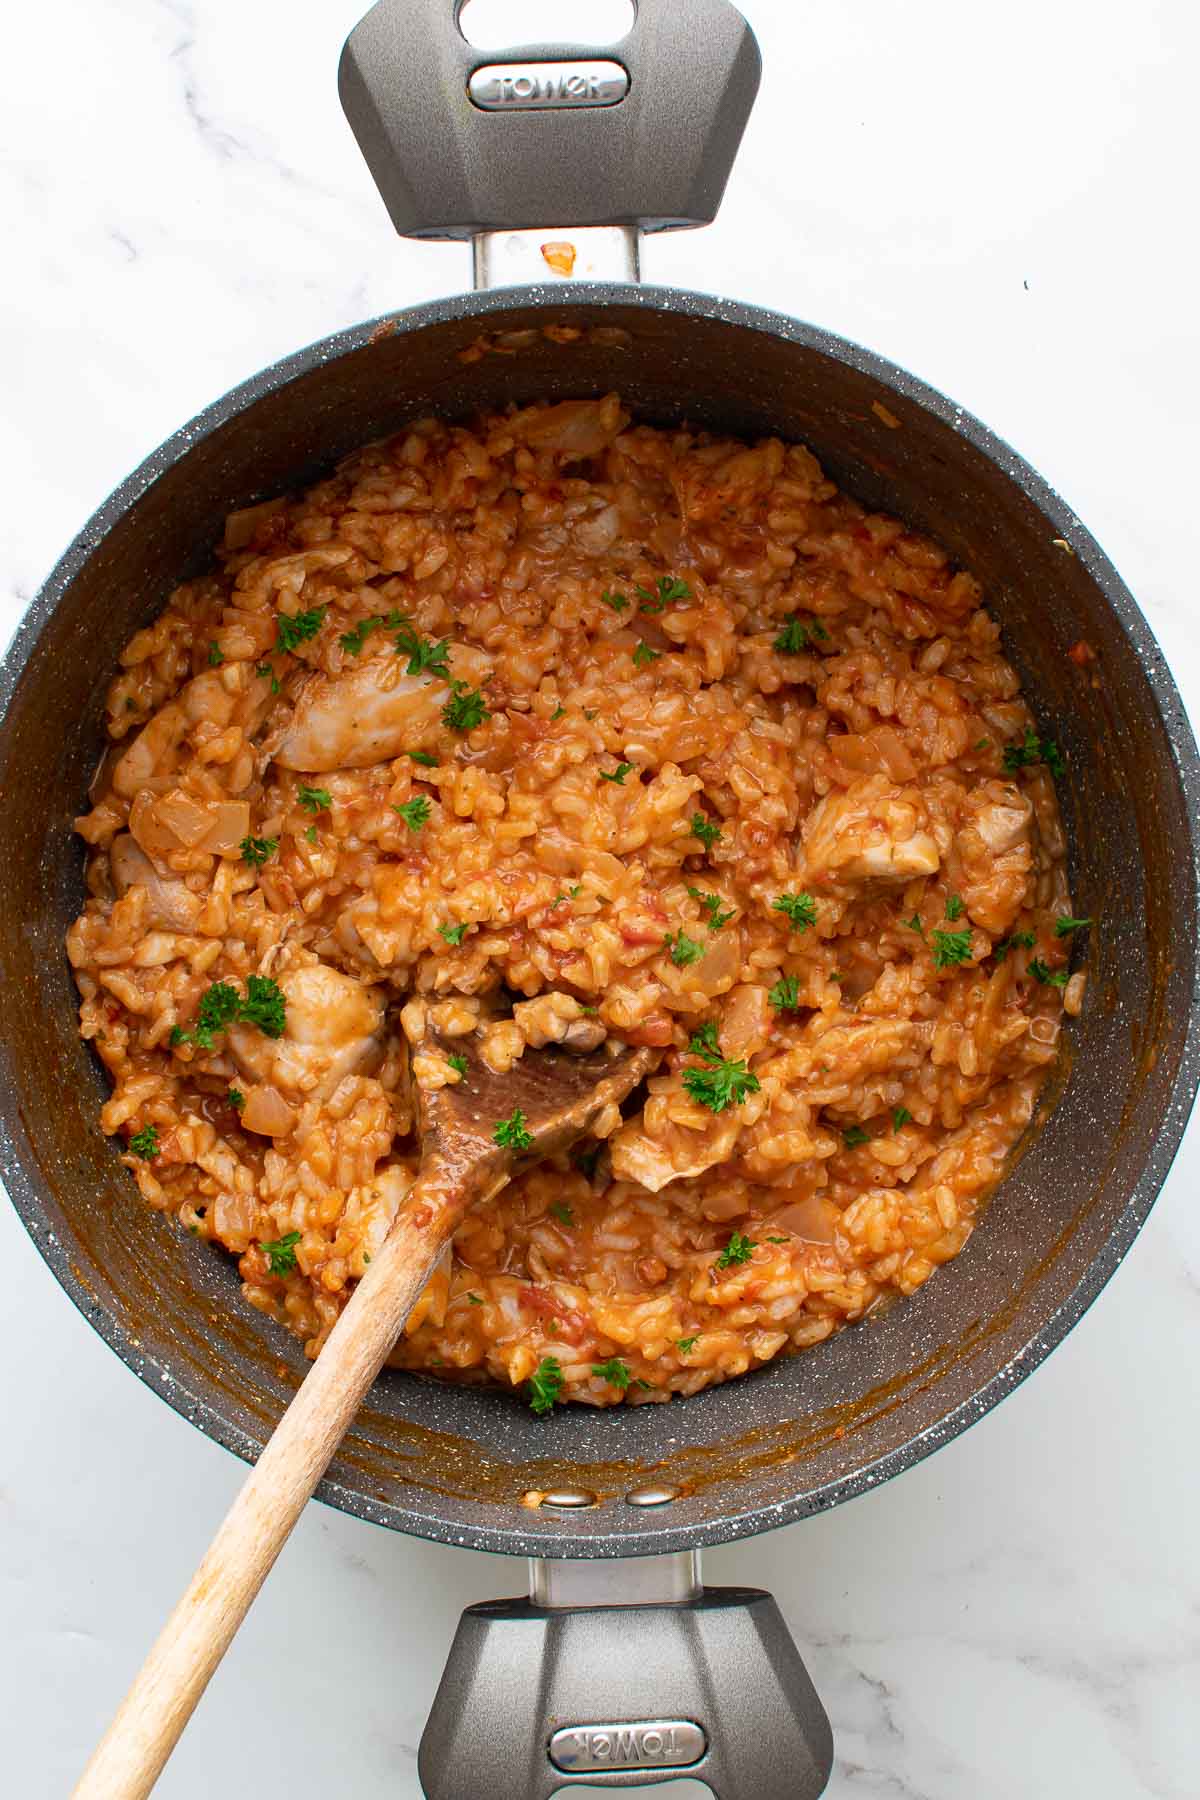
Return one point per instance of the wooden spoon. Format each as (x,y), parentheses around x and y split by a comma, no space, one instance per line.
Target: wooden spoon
(558,1096)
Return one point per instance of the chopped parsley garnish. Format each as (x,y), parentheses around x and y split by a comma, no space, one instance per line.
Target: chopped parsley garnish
(423,757)
(686,1344)
(218,1008)
(354,640)
(793,637)
(511,1134)
(739,1249)
(222,1005)
(684,950)
(415,813)
(562,1212)
(950,948)
(900,1116)
(475,1299)
(1056,978)
(617,776)
(785,995)
(618,602)
(458,1062)
(1064,926)
(613,1370)
(297,628)
(215,655)
(265,669)
(916,923)
(704,1042)
(545,1384)
(236,1099)
(723,1084)
(705,830)
(424,656)
(558,900)
(711,904)
(281,1254)
(668,589)
(314,800)
(1029,750)
(799,909)
(558,713)
(454,934)
(643,656)
(954,907)
(256,851)
(310,834)
(855,1136)
(465,709)
(144,1143)
(1020,940)
(983,743)
(263,1006)
(1033,749)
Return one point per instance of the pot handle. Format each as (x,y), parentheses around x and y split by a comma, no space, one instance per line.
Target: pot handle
(460,141)
(538,1699)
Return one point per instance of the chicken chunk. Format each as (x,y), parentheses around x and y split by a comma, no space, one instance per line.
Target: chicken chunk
(234,695)
(369,713)
(172,905)
(873,831)
(334,1029)
(674,1138)
(671,1153)
(995,847)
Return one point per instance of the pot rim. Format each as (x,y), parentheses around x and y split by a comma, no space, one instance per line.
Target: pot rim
(649,1533)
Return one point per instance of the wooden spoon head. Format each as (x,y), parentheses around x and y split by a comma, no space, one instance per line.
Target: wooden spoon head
(549,1098)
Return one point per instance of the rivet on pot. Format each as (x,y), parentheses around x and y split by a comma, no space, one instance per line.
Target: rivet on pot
(657,1495)
(571,1497)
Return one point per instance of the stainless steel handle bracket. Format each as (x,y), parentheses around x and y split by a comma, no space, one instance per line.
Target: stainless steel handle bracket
(621,1674)
(547,255)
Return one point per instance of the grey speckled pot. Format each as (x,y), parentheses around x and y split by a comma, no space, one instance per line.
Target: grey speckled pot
(807,1432)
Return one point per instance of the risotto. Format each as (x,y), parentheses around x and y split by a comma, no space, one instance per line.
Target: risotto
(555,728)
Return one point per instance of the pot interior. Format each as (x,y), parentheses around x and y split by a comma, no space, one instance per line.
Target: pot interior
(804,1432)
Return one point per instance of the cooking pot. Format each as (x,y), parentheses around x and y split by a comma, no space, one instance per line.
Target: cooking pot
(620,1668)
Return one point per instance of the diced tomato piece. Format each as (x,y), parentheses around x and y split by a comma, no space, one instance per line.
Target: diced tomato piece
(547,1305)
(642,931)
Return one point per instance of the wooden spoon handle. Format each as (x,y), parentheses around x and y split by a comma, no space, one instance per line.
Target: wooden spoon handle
(130,1757)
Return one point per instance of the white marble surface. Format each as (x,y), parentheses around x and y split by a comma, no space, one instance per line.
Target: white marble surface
(997,198)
